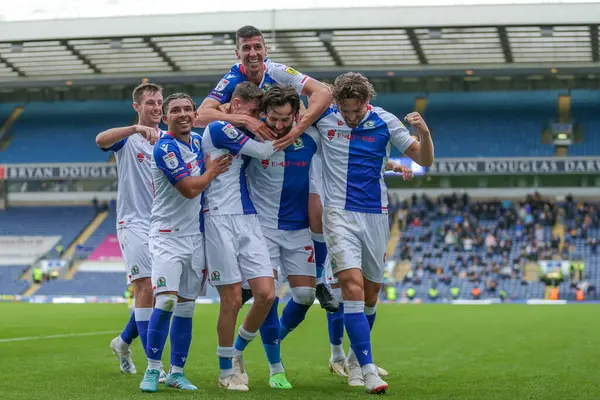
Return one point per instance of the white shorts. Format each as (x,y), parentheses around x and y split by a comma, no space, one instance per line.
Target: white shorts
(178,265)
(291,252)
(316,176)
(136,253)
(356,240)
(235,249)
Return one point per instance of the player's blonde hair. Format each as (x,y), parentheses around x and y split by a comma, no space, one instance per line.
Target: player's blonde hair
(353,85)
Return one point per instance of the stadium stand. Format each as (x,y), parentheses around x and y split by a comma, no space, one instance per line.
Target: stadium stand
(10,279)
(86,283)
(63,131)
(454,242)
(585,105)
(67,222)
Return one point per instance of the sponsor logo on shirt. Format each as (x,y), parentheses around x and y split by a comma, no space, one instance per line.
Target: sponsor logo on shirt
(170,160)
(265,164)
(291,71)
(330,134)
(286,164)
(140,157)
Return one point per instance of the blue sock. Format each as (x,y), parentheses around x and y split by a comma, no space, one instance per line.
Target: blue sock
(240,343)
(225,355)
(293,314)
(131,330)
(357,327)
(335,325)
(158,330)
(142,318)
(269,333)
(320,254)
(181,338)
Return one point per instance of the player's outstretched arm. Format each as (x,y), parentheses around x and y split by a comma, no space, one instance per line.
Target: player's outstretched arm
(260,150)
(191,186)
(319,99)
(108,138)
(420,152)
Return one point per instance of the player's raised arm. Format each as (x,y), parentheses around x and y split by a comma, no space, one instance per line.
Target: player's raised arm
(421,151)
(110,139)
(209,111)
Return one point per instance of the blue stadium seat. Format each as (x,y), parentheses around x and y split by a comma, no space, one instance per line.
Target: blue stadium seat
(67,222)
(9,279)
(87,284)
(64,131)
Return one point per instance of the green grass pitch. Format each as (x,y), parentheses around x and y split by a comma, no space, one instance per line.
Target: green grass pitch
(432,352)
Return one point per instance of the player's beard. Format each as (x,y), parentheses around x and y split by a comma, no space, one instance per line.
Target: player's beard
(282,133)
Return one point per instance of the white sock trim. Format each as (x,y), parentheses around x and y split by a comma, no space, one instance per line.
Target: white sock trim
(142,314)
(371,310)
(185,309)
(354,307)
(247,336)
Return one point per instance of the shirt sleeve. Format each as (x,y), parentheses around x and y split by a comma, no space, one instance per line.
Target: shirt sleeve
(255,149)
(226,136)
(168,159)
(285,75)
(117,146)
(399,135)
(224,89)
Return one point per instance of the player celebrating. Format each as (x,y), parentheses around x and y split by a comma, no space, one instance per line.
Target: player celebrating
(176,241)
(356,140)
(235,246)
(254,67)
(279,190)
(132,146)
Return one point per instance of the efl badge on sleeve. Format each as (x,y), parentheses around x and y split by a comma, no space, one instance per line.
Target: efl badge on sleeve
(170,160)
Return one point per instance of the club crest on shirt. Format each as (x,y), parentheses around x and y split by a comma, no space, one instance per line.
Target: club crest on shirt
(215,276)
(221,85)
(298,144)
(231,132)
(266,86)
(170,160)
(369,125)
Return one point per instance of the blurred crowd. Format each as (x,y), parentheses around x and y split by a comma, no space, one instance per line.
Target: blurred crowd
(490,240)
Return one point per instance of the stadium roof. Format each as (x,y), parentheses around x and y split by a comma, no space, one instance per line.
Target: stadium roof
(386,40)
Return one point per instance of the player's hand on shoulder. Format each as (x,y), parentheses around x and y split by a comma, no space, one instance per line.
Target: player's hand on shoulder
(260,129)
(150,134)
(288,139)
(415,120)
(407,173)
(218,165)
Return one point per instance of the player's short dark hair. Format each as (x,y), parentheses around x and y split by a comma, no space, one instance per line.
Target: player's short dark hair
(147,87)
(246,32)
(280,95)
(247,92)
(177,96)
(353,85)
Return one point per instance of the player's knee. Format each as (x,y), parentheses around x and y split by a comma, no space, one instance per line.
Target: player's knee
(265,297)
(304,295)
(166,302)
(352,290)
(231,303)
(185,309)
